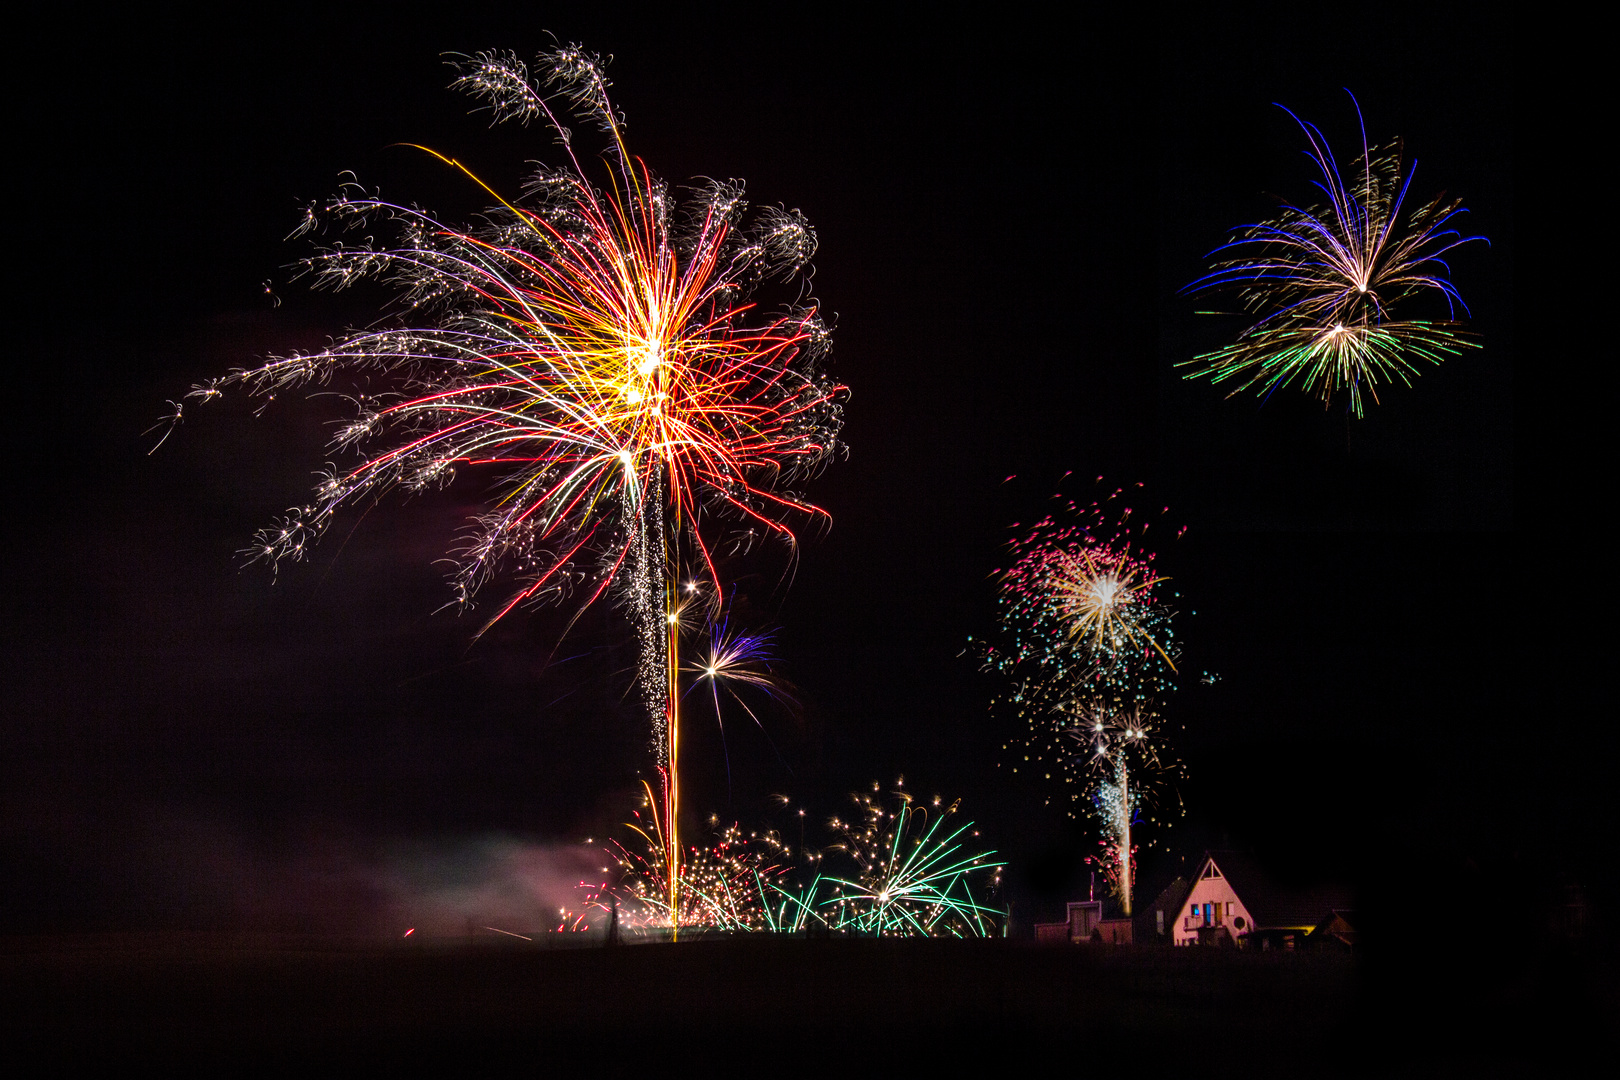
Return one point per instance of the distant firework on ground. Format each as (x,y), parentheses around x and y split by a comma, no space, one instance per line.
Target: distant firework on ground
(917,869)
(1328,281)
(728,884)
(900,868)
(1087,647)
(591,352)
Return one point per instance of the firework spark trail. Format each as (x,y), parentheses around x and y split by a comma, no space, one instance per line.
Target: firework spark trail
(1088,647)
(599,350)
(1327,279)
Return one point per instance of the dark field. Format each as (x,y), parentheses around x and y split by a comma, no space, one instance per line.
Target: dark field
(236,1000)
(794,1006)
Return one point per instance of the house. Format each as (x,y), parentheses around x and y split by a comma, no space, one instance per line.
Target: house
(1229,901)
(1232,902)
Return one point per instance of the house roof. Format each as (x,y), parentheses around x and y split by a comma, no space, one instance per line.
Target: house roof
(1336,923)
(1172,896)
(1269,903)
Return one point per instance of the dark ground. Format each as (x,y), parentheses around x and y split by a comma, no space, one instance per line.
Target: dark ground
(798,1005)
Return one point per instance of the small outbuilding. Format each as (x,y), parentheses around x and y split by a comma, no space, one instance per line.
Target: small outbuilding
(1087,924)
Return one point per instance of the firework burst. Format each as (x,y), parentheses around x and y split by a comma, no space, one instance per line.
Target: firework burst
(595,351)
(728,658)
(1327,281)
(1089,646)
(733,660)
(1082,605)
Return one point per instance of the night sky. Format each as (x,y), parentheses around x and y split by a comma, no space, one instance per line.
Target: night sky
(1006,213)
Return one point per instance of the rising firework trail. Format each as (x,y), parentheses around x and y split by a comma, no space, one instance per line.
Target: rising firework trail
(1330,281)
(1118,749)
(594,351)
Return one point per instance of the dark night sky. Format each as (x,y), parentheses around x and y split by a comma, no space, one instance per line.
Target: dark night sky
(1005,212)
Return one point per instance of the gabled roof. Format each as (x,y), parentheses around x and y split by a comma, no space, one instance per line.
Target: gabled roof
(1337,924)
(1172,896)
(1271,904)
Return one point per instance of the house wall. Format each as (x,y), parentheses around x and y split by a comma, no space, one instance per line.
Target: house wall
(1212,891)
(1115,931)
(1052,933)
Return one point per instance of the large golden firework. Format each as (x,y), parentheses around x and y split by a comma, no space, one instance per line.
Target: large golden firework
(595,351)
